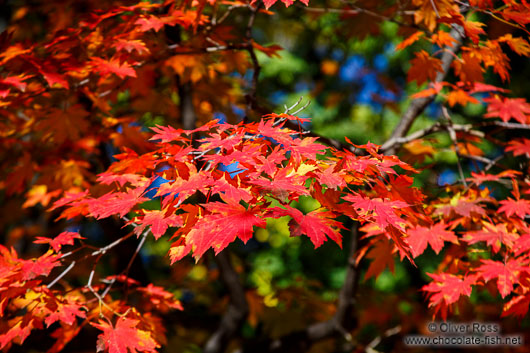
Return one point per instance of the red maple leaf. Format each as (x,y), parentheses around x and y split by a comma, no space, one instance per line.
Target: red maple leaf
(220,141)
(382,256)
(520,15)
(222,226)
(506,273)
(122,179)
(446,289)
(104,67)
(363,164)
(281,185)
(463,207)
(401,189)
(65,311)
(237,217)
(130,45)
(507,108)
(520,207)
(517,306)
(269,128)
(155,23)
(115,203)
(12,81)
(161,299)
(229,189)
(287,3)
(68,198)
(493,234)
(269,163)
(65,238)
(522,244)
(168,134)
(382,211)
(50,74)
(149,22)
(41,266)
(19,331)
(200,181)
(284,115)
(305,147)
(124,337)
(479,178)
(244,156)
(316,224)
(519,147)
(331,178)
(158,220)
(419,237)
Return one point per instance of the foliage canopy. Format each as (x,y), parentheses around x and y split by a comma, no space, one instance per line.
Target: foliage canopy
(133,126)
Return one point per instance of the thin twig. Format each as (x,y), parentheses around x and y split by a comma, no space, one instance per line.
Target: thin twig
(104,249)
(66,270)
(252,99)
(370,348)
(287,110)
(216,21)
(418,105)
(452,135)
(301,108)
(96,294)
(137,251)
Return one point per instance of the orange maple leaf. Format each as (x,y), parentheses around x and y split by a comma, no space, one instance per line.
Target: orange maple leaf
(424,68)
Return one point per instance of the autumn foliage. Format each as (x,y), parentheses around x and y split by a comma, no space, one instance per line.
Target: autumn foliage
(83,143)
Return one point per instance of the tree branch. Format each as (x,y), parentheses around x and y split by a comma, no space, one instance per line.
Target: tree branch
(252,96)
(340,324)
(418,105)
(187,112)
(237,309)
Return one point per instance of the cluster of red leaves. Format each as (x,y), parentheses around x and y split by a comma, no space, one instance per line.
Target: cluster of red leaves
(212,208)
(59,96)
(274,167)
(21,288)
(491,244)
(471,219)
(28,304)
(205,207)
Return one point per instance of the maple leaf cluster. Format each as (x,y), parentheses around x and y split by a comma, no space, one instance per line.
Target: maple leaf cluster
(122,53)
(61,102)
(211,208)
(275,167)
(39,306)
(469,217)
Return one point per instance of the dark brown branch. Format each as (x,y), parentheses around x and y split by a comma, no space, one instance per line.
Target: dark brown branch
(418,105)
(506,125)
(454,140)
(339,325)
(237,309)
(187,111)
(252,96)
